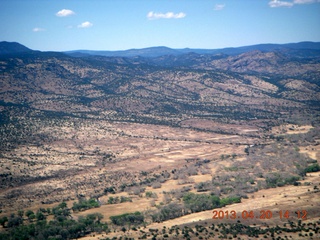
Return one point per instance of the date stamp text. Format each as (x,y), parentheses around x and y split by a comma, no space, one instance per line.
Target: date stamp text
(263,214)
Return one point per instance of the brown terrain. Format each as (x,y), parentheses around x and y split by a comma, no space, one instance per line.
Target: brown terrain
(244,126)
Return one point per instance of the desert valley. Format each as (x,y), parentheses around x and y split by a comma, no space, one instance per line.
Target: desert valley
(160,143)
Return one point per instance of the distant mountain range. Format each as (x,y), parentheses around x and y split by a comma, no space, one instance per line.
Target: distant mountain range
(161,81)
(161,51)
(290,48)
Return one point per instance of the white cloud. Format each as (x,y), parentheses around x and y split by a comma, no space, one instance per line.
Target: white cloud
(219,7)
(277,3)
(65,13)
(38,29)
(85,25)
(168,15)
(304,1)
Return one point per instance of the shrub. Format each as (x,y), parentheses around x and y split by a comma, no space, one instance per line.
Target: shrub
(110,190)
(150,194)
(127,218)
(84,204)
(170,211)
(312,168)
(200,202)
(230,200)
(276,180)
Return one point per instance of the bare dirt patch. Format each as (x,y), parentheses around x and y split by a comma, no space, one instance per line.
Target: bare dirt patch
(291,129)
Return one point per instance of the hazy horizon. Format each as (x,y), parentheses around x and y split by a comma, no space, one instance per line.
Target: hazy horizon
(120,50)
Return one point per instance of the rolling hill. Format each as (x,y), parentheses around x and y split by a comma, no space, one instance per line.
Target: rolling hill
(150,129)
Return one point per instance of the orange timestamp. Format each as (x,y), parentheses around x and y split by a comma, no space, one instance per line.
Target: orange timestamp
(263,214)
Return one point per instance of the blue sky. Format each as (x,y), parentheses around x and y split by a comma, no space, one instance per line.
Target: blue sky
(60,25)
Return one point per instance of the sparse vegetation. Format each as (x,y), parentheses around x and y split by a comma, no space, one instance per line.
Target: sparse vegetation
(122,199)
(164,137)
(61,227)
(84,204)
(135,218)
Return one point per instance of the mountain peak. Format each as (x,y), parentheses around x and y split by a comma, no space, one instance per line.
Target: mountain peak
(12,48)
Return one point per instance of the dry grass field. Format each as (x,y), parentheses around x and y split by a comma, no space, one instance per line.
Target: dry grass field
(76,156)
(83,159)
(287,198)
(294,200)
